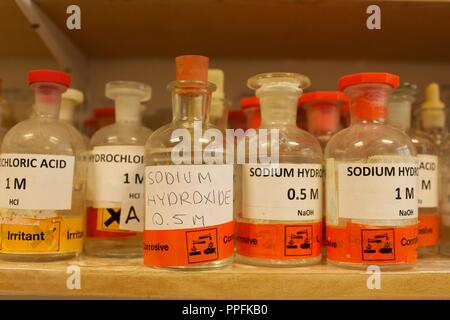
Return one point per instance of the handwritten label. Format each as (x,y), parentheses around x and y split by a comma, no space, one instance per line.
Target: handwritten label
(188,196)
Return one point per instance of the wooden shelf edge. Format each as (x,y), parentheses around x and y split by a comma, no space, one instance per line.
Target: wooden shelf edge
(129,279)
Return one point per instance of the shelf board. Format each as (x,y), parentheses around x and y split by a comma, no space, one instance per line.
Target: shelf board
(430,279)
(253,29)
(19,40)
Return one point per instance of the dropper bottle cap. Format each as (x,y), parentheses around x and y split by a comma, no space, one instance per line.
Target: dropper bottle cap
(433,109)
(128,96)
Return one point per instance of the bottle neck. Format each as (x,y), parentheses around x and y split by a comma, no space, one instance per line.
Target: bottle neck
(47,99)
(190,104)
(278,108)
(128,109)
(368,102)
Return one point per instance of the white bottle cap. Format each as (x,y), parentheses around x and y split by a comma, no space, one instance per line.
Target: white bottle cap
(128,96)
(71,98)
(400,106)
(217,77)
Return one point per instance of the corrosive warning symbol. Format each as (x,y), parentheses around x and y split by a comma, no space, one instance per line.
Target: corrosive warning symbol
(378,244)
(298,240)
(202,245)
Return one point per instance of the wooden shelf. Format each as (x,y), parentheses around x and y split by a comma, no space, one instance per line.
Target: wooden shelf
(253,29)
(129,278)
(19,40)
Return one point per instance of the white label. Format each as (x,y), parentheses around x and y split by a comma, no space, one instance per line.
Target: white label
(188,196)
(116,174)
(378,191)
(132,210)
(282,191)
(428,181)
(36,181)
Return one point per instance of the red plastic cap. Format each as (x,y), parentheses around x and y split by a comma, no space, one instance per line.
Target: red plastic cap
(108,111)
(390,79)
(326,96)
(249,102)
(52,76)
(192,67)
(91,122)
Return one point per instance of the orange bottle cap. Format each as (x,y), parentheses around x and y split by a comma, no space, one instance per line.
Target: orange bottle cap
(192,67)
(326,96)
(249,102)
(390,79)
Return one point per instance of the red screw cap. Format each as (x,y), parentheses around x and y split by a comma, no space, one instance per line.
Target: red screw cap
(52,76)
(390,79)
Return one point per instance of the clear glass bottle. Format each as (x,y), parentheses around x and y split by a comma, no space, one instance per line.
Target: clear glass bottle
(399,115)
(323,113)
(183,232)
(105,116)
(444,166)
(250,107)
(218,114)
(90,127)
(281,219)
(42,199)
(115,213)
(371,182)
(433,115)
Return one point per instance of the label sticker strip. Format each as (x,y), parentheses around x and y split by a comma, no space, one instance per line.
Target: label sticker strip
(167,248)
(285,191)
(30,235)
(362,244)
(279,241)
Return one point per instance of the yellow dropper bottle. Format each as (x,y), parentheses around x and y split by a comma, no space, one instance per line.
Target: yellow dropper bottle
(432,115)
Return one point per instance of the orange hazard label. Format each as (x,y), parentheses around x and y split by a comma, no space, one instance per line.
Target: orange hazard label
(105,223)
(182,247)
(428,229)
(279,241)
(357,243)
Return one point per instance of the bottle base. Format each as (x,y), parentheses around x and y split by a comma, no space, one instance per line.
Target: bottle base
(277,262)
(42,257)
(201,267)
(383,267)
(113,248)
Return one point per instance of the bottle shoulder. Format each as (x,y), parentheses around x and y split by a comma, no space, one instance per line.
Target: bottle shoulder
(120,134)
(173,133)
(37,135)
(297,145)
(423,142)
(363,140)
